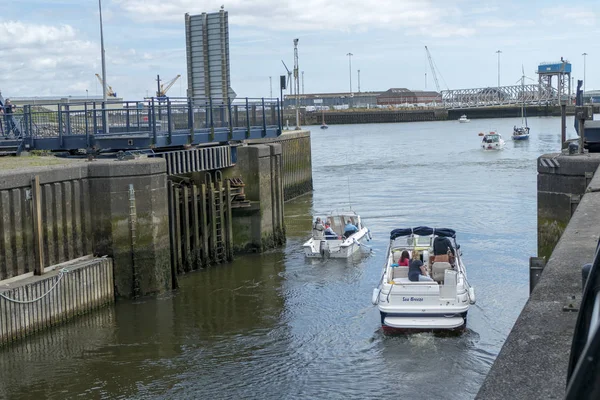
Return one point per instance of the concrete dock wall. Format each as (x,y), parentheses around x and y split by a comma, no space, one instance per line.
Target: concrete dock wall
(533,362)
(297,162)
(110,207)
(34,304)
(65,218)
(261,225)
(562,180)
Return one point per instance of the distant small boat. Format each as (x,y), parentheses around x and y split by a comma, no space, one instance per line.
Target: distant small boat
(492,141)
(522,132)
(463,119)
(324,126)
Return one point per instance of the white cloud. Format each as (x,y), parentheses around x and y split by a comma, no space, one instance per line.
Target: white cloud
(308,15)
(42,59)
(577,15)
(496,23)
(14,34)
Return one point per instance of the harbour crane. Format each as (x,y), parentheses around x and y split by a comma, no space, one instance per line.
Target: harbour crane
(435,79)
(164,88)
(109,90)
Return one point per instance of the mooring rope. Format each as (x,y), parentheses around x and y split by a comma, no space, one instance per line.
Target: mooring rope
(60,276)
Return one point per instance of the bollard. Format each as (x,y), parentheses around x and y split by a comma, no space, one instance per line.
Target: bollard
(573,148)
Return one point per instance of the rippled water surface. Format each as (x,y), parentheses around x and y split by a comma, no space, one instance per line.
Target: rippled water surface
(278,326)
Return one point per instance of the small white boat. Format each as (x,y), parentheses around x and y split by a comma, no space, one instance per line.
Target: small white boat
(438,304)
(492,141)
(463,118)
(321,245)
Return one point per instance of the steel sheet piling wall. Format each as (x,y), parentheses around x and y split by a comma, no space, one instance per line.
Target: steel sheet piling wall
(85,286)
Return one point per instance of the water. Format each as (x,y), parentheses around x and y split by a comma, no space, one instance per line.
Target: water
(278,326)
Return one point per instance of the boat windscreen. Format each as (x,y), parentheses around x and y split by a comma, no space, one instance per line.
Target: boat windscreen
(422,231)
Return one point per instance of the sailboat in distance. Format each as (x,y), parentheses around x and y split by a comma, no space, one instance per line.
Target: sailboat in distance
(522,132)
(323,125)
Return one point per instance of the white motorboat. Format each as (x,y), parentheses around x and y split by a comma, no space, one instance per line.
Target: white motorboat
(492,141)
(463,118)
(337,245)
(438,304)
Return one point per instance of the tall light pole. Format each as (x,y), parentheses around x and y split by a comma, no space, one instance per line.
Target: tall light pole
(102,53)
(584,55)
(359,81)
(105,127)
(270,88)
(297,82)
(350,69)
(498,52)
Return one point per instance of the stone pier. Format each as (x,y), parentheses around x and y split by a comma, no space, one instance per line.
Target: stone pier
(533,362)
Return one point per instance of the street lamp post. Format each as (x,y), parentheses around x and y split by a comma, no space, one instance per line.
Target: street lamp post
(498,52)
(584,55)
(350,70)
(102,53)
(104,119)
(297,83)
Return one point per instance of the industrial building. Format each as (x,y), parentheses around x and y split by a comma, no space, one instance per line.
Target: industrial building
(356,100)
(397,96)
(393,96)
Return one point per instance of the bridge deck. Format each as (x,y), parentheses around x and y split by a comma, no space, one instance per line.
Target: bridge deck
(153,123)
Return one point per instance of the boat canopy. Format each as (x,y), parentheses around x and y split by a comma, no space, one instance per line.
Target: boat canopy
(422,231)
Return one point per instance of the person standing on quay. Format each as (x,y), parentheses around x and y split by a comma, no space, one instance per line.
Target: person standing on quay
(8,116)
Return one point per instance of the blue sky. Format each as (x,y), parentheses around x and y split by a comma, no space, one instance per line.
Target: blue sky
(52,47)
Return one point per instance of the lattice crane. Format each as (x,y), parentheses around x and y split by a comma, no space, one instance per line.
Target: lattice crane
(435,79)
(109,90)
(164,88)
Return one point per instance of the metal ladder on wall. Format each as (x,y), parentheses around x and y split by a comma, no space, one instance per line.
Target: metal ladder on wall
(220,253)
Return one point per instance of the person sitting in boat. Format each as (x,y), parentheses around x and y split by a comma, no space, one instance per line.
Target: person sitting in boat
(404,259)
(349,229)
(330,233)
(416,270)
(318,229)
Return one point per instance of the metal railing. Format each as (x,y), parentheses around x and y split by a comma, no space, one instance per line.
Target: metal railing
(151,117)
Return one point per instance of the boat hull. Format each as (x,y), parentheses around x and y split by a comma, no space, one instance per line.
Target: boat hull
(392,323)
(520,137)
(321,248)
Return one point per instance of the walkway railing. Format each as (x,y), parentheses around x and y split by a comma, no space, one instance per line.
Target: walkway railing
(165,122)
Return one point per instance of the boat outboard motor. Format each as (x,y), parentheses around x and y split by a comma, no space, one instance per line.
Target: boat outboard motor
(324,248)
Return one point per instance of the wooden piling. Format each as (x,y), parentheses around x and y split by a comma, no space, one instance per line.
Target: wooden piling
(185,218)
(38,229)
(177,248)
(213,223)
(228,224)
(196,203)
(204,222)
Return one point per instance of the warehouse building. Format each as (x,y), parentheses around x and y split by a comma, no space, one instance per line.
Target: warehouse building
(397,96)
